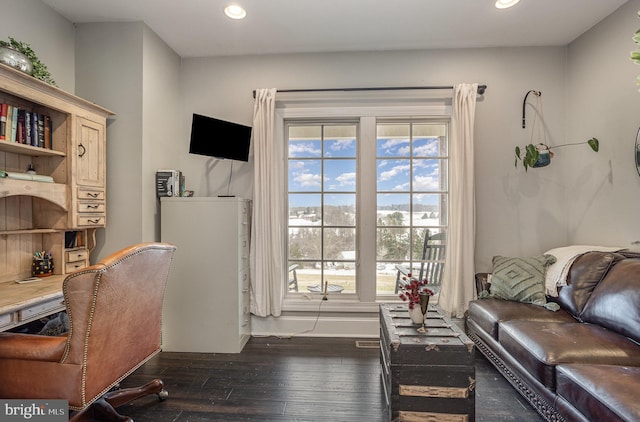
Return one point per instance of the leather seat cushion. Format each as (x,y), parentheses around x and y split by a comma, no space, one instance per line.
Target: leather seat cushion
(488,313)
(601,392)
(584,275)
(540,346)
(615,302)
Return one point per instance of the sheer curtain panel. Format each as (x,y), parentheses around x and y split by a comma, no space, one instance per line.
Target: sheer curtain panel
(458,283)
(267,245)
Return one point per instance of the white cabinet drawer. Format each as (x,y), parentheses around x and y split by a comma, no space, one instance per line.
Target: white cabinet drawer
(5,319)
(40,309)
(91,206)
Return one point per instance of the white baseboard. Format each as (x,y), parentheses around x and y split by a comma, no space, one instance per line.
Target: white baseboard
(314,326)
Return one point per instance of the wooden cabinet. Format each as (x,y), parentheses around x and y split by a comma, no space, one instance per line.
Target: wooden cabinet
(89,173)
(206,306)
(35,215)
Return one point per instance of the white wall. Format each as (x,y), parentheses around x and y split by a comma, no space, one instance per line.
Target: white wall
(512,208)
(128,69)
(604,198)
(50,35)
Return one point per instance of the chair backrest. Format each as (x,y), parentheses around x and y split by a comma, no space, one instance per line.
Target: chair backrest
(115,311)
(433,257)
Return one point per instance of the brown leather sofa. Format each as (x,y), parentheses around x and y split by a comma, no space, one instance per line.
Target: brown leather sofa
(581,363)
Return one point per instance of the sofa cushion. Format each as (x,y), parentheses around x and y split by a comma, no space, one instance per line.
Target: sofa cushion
(601,392)
(585,274)
(615,302)
(540,346)
(489,312)
(520,279)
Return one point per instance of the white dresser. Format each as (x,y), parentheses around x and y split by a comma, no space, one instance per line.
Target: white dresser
(206,307)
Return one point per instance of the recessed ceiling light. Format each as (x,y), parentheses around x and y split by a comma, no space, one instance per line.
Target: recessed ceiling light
(503,4)
(235,12)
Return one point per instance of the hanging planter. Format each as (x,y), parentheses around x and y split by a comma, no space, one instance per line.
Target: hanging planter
(540,154)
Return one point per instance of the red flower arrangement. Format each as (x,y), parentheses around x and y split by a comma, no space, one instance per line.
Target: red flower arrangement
(411,290)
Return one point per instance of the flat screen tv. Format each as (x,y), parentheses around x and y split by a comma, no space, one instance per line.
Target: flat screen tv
(219,138)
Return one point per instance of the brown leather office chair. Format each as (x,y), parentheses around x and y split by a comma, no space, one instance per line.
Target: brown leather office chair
(115,310)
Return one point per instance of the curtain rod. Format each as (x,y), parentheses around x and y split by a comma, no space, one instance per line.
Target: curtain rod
(481,89)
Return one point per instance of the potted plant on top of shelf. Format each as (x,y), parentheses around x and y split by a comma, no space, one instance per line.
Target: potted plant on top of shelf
(24,51)
(540,155)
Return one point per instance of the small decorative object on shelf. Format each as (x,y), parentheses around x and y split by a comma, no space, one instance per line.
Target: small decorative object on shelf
(42,265)
(37,69)
(14,58)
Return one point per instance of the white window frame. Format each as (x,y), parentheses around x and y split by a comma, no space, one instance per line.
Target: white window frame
(350,107)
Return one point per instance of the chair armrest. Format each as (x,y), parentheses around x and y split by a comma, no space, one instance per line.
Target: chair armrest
(32,347)
(482,282)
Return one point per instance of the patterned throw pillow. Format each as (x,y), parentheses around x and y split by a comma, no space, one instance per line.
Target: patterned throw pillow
(521,279)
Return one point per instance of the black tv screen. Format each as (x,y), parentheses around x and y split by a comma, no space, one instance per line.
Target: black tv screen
(219,138)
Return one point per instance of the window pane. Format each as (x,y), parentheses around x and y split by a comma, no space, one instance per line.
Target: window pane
(393,175)
(393,140)
(304,243)
(305,175)
(340,175)
(305,141)
(426,175)
(426,210)
(403,220)
(304,209)
(340,141)
(322,222)
(340,210)
(392,243)
(307,274)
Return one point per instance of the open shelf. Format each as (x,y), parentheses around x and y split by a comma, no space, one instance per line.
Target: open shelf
(24,149)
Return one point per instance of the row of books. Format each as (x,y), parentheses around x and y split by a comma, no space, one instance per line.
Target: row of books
(25,127)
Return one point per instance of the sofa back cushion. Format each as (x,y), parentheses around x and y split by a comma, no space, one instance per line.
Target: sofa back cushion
(585,274)
(615,302)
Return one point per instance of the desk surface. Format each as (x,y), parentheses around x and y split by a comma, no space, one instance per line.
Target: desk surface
(21,303)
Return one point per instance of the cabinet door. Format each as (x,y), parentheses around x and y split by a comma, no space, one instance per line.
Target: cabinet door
(90,153)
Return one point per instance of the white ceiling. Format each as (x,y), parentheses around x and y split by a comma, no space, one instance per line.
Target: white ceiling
(198,28)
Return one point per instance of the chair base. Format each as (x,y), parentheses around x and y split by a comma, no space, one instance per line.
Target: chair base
(104,409)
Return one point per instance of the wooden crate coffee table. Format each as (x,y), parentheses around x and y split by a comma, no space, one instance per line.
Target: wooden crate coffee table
(426,376)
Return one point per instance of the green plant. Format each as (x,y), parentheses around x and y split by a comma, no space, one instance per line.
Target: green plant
(40,70)
(532,152)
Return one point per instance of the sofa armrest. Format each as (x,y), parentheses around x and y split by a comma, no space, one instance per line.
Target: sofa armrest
(482,282)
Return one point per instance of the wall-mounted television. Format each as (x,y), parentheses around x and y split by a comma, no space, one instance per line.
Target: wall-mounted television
(219,138)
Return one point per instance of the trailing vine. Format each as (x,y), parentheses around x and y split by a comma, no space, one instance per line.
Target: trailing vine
(39,70)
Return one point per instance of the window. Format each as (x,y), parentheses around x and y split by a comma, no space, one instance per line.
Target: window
(322,206)
(411,195)
(364,184)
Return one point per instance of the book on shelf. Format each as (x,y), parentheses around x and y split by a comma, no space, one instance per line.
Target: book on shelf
(3,122)
(7,133)
(47,132)
(14,124)
(34,129)
(21,129)
(40,142)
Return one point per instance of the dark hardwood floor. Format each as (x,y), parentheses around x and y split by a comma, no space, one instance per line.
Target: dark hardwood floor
(298,379)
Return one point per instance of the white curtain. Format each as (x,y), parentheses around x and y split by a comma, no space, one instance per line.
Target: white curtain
(459,270)
(267,245)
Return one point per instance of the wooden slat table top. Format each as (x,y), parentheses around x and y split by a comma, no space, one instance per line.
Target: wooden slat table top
(15,296)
